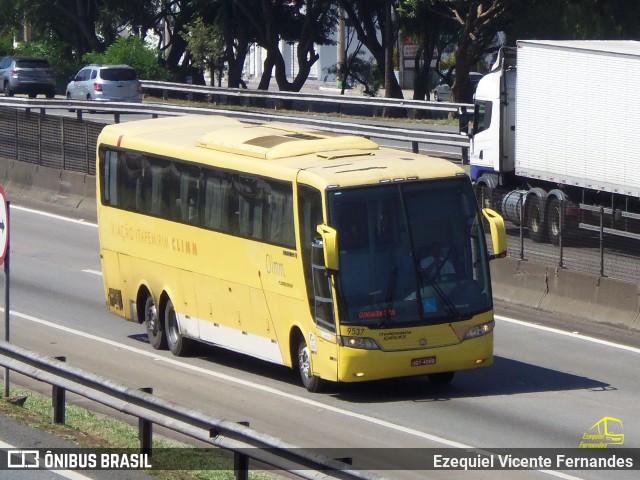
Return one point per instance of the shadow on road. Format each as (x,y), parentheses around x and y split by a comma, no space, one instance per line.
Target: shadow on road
(504,377)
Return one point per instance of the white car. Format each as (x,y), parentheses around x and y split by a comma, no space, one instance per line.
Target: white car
(442,93)
(115,83)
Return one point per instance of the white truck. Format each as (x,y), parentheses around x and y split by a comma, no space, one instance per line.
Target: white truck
(556,136)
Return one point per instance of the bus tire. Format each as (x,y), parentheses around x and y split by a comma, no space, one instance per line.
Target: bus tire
(155,329)
(441,378)
(310,381)
(178,344)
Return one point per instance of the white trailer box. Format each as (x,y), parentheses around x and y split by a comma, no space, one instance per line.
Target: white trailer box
(577,114)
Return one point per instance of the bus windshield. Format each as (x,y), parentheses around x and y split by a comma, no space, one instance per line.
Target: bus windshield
(410,253)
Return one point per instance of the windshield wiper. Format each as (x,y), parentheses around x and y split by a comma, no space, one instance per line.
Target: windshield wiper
(388,302)
(448,304)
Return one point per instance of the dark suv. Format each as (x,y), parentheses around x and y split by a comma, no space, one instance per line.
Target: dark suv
(30,75)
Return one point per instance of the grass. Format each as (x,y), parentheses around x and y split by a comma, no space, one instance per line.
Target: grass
(173,100)
(90,430)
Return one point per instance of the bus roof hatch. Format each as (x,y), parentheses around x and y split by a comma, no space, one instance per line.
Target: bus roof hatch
(271,143)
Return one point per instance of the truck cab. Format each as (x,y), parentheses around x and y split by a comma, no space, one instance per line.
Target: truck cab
(493,142)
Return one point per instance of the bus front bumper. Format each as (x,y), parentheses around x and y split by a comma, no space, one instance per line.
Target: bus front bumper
(357,365)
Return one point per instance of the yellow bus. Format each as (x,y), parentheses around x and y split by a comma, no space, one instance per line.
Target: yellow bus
(298,247)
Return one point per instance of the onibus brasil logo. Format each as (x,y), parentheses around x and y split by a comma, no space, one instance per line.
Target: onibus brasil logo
(606,431)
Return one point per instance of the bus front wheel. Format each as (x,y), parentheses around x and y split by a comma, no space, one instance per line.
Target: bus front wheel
(155,331)
(310,381)
(179,345)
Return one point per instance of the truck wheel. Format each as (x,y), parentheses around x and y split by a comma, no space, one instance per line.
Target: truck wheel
(535,218)
(179,345)
(553,221)
(155,330)
(310,381)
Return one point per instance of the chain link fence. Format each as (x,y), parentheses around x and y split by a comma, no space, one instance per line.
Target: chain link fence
(595,240)
(583,238)
(50,141)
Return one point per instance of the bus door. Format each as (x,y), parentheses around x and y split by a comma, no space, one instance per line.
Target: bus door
(322,343)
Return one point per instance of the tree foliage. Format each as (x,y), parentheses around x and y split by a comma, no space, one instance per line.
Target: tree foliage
(378,31)
(132,51)
(67,30)
(306,23)
(478,22)
(206,46)
(89,25)
(576,20)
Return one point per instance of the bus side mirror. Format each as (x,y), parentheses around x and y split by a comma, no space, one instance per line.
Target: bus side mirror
(498,233)
(330,242)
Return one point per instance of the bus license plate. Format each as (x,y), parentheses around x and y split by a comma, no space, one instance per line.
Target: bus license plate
(418,362)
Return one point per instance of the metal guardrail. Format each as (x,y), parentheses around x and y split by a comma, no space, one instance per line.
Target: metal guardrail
(312,98)
(413,136)
(236,437)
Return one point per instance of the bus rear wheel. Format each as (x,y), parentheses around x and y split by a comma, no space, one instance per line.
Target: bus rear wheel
(155,331)
(179,345)
(310,381)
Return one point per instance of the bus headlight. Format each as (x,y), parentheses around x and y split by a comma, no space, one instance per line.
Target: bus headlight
(479,330)
(363,343)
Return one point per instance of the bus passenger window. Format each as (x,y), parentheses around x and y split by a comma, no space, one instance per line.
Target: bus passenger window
(130,175)
(279,227)
(190,195)
(110,178)
(216,201)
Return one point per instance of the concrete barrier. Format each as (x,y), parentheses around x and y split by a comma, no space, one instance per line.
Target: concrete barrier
(62,191)
(519,281)
(593,298)
(522,282)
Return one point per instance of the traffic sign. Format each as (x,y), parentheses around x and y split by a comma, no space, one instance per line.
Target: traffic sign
(4,225)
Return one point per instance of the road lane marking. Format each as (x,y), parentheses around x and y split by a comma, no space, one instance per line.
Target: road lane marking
(499,317)
(53,215)
(267,389)
(565,333)
(93,272)
(313,403)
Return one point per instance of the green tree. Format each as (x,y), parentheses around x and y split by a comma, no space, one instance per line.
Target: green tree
(132,51)
(88,25)
(237,35)
(206,45)
(306,23)
(576,20)
(418,19)
(377,30)
(478,23)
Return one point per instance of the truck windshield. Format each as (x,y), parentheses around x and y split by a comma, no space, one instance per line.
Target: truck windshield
(411,253)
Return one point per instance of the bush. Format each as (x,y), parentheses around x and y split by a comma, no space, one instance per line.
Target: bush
(132,51)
